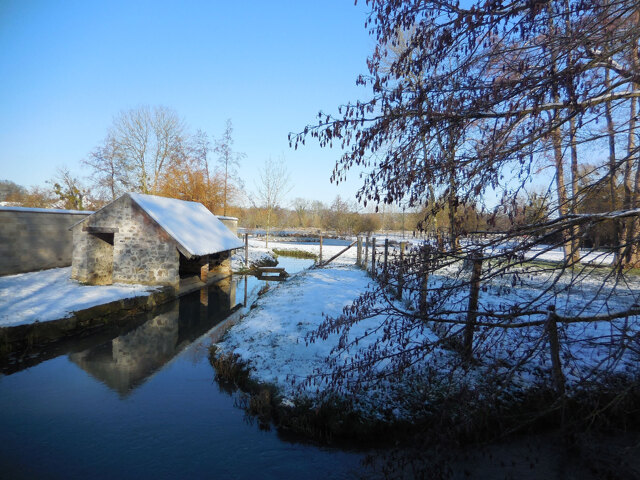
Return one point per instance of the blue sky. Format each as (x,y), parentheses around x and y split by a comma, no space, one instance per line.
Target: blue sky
(68,67)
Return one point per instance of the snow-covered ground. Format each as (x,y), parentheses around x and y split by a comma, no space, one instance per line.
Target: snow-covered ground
(271,338)
(51,294)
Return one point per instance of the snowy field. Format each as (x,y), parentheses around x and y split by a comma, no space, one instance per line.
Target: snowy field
(51,294)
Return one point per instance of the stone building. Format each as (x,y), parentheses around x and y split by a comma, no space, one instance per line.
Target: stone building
(151,240)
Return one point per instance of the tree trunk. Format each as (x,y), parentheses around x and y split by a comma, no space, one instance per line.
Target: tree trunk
(556,139)
(575,231)
(613,205)
(630,193)
(454,241)
(226,177)
(561,190)
(634,227)
(268,227)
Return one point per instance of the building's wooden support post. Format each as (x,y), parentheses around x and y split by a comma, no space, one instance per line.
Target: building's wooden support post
(246,250)
(204,271)
(320,256)
(554,345)
(359,251)
(401,270)
(373,257)
(366,252)
(472,310)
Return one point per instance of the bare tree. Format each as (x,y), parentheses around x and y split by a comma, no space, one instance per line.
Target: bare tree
(147,139)
(272,188)
(301,206)
(228,161)
(69,189)
(199,148)
(109,169)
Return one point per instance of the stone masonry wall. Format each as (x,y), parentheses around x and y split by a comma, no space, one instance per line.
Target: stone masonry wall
(142,251)
(35,239)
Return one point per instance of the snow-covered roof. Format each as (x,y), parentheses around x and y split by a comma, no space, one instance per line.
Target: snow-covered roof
(195,228)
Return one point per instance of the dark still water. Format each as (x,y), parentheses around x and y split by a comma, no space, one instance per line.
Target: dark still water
(142,403)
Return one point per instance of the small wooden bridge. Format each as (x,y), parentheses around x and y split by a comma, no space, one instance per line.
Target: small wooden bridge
(272,273)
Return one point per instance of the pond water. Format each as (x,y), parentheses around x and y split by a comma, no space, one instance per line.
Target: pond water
(142,402)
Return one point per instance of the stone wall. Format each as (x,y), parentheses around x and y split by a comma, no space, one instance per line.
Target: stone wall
(142,251)
(35,238)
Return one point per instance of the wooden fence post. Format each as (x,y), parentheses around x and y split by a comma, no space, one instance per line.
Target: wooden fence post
(373,257)
(246,250)
(554,345)
(472,311)
(424,288)
(440,241)
(401,271)
(359,251)
(320,256)
(366,252)
(386,258)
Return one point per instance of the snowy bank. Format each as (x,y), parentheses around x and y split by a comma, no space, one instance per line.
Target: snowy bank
(271,340)
(272,336)
(51,295)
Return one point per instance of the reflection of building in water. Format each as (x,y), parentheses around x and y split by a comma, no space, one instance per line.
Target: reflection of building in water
(127,361)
